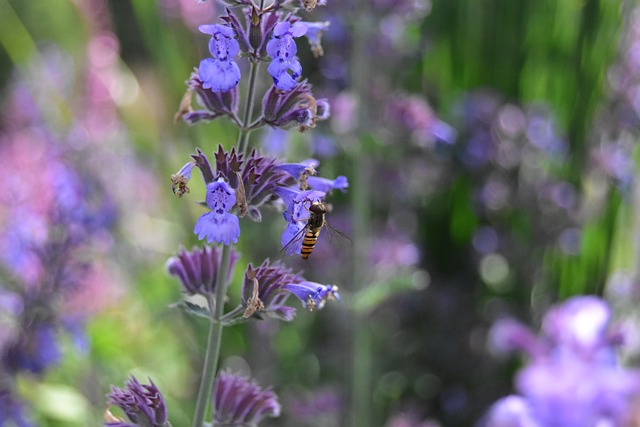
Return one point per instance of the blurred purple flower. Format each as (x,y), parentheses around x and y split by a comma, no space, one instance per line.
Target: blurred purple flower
(11,411)
(282,48)
(238,401)
(143,405)
(572,379)
(219,225)
(34,351)
(197,269)
(220,73)
(314,35)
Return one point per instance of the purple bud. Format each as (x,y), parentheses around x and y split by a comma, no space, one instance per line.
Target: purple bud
(197,269)
(142,404)
(237,400)
(296,108)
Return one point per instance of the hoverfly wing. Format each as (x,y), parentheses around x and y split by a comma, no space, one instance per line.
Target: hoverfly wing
(336,237)
(294,245)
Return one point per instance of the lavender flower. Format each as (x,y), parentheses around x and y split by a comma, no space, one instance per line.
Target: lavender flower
(296,214)
(572,378)
(238,401)
(215,103)
(219,225)
(143,405)
(313,295)
(180,180)
(327,185)
(252,183)
(282,48)
(220,73)
(262,291)
(297,108)
(314,35)
(197,269)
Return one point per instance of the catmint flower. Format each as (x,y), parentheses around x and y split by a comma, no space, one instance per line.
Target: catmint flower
(297,108)
(327,185)
(300,171)
(197,269)
(572,378)
(220,73)
(253,179)
(313,295)
(309,5)
(262,291)
(219,225)
(282,48)
(296,214)
(314,35)
(180,180)
(143,405)
(214,103)
(238,401)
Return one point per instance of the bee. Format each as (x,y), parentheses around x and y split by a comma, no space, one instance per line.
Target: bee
(308,235)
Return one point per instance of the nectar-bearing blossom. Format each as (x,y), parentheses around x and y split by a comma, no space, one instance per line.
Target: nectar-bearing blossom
(212,104)
(221,72)
(572,378)
(313,295)
(282,48)
(239,401)
(219,225)
(262,288)
(296,214)
(143,405)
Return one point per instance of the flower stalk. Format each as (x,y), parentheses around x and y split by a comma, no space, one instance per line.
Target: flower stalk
(245,130)
(214,339)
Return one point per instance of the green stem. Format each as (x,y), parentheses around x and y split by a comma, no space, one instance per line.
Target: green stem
(243,136)
(362,368)
(216,308)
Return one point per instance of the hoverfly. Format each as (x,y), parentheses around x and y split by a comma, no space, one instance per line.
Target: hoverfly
(308,234)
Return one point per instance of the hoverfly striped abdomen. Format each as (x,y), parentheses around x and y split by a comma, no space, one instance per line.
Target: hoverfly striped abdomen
(314,225)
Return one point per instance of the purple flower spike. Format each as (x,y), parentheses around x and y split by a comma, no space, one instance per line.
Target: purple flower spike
(313,295)
(220,73)
(219,225)
(142,404)
(327,185)
(238,401)
(282,48)
(197,270)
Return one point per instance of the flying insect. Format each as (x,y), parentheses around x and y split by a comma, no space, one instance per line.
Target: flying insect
(308,235)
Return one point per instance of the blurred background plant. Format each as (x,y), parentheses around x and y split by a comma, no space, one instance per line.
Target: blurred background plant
(491,150)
